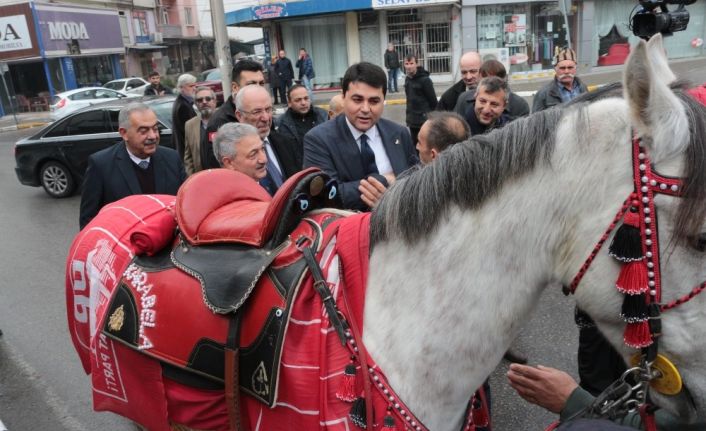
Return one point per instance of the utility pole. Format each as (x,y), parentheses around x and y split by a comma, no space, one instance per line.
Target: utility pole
(222,48)
(565,7)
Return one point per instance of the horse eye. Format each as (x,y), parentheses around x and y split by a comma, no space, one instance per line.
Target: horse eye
(699,242)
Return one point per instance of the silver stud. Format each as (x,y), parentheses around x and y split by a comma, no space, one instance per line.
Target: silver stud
(355,349)
(650,265)
(414,423)
(642,167)
(370,370)
(647,210)
(402,412)
(648,231)
(376,378)
(651,274)
(352,342)
(386,391)
(644,189)
(648,220)
(409,419)
(380,385)
(653,183)
(648,254)
(651,283)
(648,241)
(641,156)
(391,398)
(643,179)
(675,188)
(663,186)
(645,200)
(397,406)
(653,292)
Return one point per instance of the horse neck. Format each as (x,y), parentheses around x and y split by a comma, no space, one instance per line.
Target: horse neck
(440,313)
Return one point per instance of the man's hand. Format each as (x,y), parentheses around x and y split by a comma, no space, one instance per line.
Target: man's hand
(544,386)
(371,190)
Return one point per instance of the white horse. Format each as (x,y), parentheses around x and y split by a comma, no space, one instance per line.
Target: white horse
(463,248)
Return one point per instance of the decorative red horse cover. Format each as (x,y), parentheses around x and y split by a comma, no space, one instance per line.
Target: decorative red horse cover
(124,381)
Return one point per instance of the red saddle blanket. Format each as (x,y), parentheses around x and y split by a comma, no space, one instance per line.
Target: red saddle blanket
(131,383)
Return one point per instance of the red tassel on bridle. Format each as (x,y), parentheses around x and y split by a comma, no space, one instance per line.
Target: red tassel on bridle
(346,391)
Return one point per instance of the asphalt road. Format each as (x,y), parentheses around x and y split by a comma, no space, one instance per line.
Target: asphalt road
(42,385)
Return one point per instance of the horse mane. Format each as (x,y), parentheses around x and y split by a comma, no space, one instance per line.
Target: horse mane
(466,175)
(470,172)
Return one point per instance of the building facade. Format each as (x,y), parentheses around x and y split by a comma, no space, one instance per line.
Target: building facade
(47,48)
(523,35)
(341,32)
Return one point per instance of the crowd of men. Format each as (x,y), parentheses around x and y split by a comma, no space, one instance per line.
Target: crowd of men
(351,142)
(364,152)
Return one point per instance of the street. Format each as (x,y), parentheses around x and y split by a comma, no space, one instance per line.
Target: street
(42,384)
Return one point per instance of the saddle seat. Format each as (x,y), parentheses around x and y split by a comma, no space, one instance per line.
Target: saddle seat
(224,206)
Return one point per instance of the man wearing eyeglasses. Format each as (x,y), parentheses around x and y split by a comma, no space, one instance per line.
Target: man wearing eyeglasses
(197,156)
(245,72)
(253,106)
(564,87)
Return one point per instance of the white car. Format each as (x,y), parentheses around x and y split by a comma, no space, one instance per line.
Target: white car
(128,85)
(72,100)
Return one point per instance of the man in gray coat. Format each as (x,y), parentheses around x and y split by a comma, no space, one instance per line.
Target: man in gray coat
(564,87)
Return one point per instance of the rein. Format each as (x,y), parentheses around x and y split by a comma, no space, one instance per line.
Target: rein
(636,245)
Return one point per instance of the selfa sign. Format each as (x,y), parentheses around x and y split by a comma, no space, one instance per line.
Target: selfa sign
(14,33)
(18,38)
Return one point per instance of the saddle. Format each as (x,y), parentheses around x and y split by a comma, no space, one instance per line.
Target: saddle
(238,254)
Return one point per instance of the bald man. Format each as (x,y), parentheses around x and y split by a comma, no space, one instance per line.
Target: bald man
(469,65)
(335,106)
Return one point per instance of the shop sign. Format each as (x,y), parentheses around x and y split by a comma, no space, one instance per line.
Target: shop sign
(67,30)
(14,33)
(386,4)
(269,11)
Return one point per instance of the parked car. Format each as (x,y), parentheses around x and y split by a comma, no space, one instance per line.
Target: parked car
(56,157)
(132,85)
(69,101)
(212,79)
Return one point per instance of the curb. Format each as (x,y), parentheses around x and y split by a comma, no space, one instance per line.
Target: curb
(22,126)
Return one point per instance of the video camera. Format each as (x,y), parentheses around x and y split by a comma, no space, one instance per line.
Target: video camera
(654,17)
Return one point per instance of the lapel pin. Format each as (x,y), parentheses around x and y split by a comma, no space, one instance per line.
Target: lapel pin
(397,142)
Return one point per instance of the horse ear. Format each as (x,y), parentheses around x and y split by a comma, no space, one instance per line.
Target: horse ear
(655,111)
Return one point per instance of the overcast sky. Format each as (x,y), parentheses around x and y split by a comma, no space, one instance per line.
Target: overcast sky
(244,33)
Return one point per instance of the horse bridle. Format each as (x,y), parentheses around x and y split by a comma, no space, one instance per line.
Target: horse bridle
(619,397)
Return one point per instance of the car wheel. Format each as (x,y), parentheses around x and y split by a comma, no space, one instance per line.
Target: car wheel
(56,180)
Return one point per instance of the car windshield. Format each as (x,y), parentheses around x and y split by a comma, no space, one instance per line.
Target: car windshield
(114,85)
(210,75)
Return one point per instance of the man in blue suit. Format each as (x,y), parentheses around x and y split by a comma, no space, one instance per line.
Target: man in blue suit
(360,146)
(137,166)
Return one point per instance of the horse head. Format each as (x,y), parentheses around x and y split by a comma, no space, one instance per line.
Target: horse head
(671,127)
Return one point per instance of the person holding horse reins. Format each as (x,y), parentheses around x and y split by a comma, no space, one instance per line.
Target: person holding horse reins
(558,392)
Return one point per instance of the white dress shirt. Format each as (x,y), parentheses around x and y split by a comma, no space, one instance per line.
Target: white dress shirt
(375,142)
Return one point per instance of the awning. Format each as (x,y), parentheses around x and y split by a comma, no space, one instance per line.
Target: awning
(146,47)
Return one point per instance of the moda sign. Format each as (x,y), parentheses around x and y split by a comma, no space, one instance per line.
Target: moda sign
(67,30)
(14,33)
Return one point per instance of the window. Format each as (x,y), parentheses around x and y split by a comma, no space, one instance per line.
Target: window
(134,83)
(427,36)
(83,95)
(85,123)
(188,18)
(107,94)
(114,123)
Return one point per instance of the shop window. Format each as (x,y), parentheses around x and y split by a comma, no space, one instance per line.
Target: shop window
(522,36)
(428,37)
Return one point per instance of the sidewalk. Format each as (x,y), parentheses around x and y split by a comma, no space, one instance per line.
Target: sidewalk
(24,120)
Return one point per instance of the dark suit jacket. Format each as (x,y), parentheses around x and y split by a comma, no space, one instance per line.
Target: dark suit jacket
(111,176)
(331,147)
(182,111)
(290,160)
